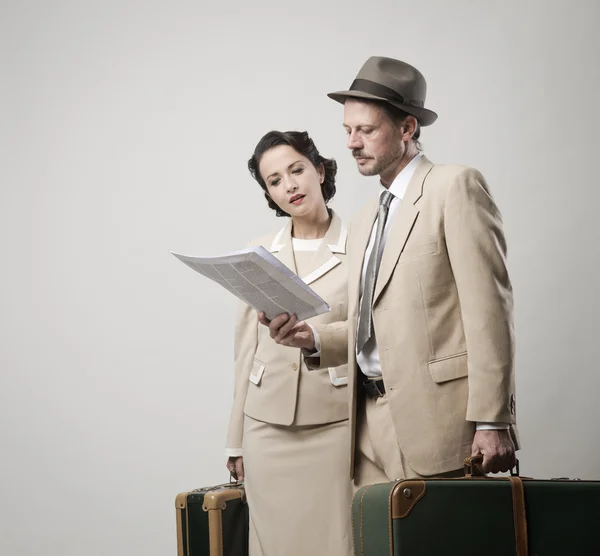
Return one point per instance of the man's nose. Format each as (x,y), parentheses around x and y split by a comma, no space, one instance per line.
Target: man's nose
(354,141)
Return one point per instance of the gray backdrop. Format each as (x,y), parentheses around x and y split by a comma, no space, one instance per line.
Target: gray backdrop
(126,127)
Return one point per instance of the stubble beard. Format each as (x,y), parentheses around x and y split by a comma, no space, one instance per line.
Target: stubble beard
(382,164)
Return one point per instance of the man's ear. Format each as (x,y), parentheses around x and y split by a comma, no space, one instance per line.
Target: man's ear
(409,127)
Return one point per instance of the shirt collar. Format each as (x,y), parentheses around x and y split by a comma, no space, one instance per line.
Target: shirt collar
(400,184)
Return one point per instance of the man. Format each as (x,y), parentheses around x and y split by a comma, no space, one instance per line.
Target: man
(429,336)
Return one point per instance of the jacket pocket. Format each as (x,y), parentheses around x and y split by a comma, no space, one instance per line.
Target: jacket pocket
(335,379)
(419,250)
(257,372)
(449,368)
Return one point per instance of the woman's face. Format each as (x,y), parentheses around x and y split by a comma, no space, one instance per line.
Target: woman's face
(292,181)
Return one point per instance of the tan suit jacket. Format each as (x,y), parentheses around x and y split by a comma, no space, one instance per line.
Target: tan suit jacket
(442,315)
(272,382)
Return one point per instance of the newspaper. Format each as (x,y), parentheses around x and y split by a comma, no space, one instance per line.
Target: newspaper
(260,280)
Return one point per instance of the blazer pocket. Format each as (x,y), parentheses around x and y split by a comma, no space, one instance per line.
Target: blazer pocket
(449,368)
(413,251)
(256,373)
(335,379)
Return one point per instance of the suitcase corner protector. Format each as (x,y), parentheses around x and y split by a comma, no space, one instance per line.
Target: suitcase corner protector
(218,500)
(181,501)
(405,496)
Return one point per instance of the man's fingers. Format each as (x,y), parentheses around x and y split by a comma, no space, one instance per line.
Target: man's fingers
(499,462)
(506,462)
(486,466)
(497,448)
(487,463)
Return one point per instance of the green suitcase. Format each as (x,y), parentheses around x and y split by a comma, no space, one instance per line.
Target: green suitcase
(478,516)
(212,521)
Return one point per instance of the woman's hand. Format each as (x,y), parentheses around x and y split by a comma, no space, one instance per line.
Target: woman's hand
(236,467)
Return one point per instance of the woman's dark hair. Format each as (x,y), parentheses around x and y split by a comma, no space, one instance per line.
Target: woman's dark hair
(302,144)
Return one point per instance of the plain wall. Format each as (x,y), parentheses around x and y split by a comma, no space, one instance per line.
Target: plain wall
(125,129)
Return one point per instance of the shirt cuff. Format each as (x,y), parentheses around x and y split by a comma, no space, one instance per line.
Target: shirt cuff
(492,426)
(233,452)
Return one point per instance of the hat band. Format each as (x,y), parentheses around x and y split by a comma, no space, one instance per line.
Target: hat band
(379,90)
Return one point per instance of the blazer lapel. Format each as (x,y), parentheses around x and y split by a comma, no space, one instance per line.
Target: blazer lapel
(282,246)
(401,226)
(361,233)
(324,260)
(333,242)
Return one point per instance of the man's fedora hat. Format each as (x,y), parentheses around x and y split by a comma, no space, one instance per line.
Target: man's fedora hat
(391,81)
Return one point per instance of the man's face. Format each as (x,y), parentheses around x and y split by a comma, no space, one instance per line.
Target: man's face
(375,142)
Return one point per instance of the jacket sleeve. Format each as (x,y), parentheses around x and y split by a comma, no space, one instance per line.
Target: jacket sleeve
(477,252)
(245,343)
(333,340)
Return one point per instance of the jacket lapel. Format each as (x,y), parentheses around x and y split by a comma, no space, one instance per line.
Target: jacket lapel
(401,226)
(361,232)
(333,242)
(324,260)
(282,247)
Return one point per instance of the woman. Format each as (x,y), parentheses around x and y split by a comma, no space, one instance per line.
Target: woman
(288,434)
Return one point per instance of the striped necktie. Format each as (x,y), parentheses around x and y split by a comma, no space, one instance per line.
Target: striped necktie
(365,325)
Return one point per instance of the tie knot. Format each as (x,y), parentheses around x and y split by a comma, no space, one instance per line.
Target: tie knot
(386,198)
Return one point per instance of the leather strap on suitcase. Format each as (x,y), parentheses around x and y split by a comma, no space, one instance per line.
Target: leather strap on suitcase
(518,499)
(519,514)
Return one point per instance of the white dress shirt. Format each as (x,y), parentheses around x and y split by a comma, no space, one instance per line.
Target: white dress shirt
(368,358)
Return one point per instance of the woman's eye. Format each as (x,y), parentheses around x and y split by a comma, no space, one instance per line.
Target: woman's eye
(274,182)
(297,170)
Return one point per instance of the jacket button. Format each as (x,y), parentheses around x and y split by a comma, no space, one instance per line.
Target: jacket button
(294,367)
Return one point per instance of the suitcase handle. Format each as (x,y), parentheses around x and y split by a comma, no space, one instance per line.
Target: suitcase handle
(473,467)
(230,484)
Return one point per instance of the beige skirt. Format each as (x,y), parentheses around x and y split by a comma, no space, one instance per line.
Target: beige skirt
(298,488)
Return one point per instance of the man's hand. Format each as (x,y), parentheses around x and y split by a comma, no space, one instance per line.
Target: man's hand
(497,448)
(287,331)
(236,468)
